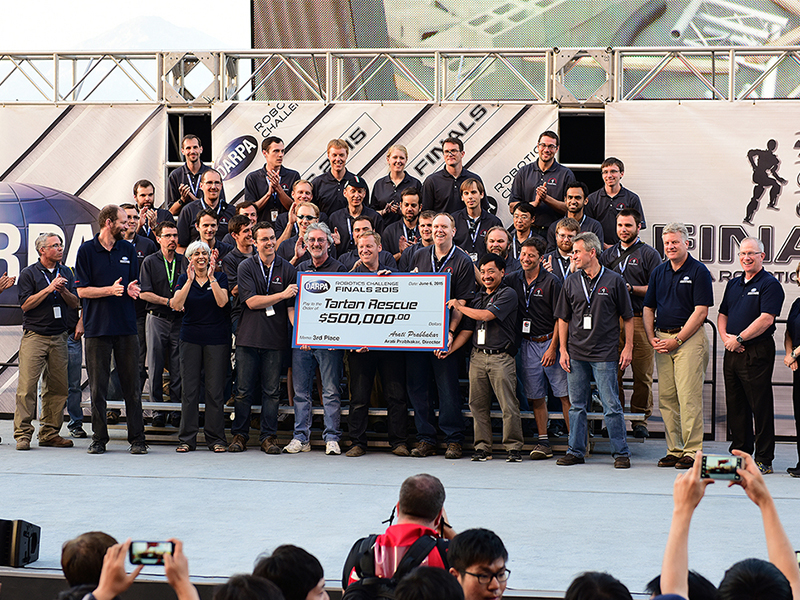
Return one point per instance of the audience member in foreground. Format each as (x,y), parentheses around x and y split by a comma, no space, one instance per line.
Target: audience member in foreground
(750,578)
(247,587)
(297,573)
(477,560)
(700,588)
(82,562)
(595,586)
(428,583)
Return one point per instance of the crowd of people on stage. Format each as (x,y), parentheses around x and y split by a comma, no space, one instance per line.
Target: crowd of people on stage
(568,295)
(421,557)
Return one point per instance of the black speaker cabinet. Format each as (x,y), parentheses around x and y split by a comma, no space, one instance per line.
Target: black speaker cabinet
(19,543)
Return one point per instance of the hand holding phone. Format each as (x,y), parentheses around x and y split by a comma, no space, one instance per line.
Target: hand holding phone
(721,467)
(149,553)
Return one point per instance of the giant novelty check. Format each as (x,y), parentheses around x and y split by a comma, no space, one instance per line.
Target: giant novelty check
(356,310)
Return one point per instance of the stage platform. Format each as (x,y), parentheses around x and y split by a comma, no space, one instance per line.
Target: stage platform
(228,508)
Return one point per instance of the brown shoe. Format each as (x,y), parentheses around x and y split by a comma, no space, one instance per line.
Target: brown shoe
(23,444)
(453,451)
(685,462)
(423,449)
(355,451)
(270,445)
(56,442)
(670,460)
(239,444)
(622,462)
(401,450)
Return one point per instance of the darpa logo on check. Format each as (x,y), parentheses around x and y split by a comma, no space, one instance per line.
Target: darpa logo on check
(317,287)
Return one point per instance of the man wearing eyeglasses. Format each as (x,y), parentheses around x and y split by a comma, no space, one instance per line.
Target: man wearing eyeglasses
(441,191)
(605,204)
(477,559)
(746,324)
(542,183)
(212,199)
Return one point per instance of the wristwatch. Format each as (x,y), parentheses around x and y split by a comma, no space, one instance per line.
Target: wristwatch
(739,339)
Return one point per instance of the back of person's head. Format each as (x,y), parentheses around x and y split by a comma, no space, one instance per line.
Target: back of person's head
(597,586)
(700,588)
(475,546)
(754,579)
(248,587)
(421,497)
(428,583)
(82,558)
(295,571)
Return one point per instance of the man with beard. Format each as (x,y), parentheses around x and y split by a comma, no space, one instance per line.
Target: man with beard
(575,199)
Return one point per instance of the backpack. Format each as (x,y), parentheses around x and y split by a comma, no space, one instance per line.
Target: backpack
(371,587)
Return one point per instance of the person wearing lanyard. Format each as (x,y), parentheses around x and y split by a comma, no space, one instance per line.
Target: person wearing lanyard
(159,279)
(46,291)
(442,257)
(491,323)
(144,194)
(213,199)
(267,286)
(605,203)
(404,232)
(349,259)
(559,261)
(591,304)
(575,199)
(341,222)
(522,227)
(498,241)
(270,187)
(425,227)
(387,193)
(473,222)
(635,261)
(329,186)
(538,359)
(183,186)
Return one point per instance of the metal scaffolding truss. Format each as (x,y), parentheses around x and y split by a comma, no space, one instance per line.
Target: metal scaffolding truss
(567,76)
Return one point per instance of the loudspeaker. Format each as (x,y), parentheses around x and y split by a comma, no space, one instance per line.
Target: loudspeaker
(19,543)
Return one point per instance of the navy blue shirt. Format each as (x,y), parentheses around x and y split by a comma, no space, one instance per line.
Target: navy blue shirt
(41,319)
(471,236)
(331,265)
(561,265)
(500,331)
(183,175)
(162,216)
(675,294)
(587,224)
(609,301)
(204,322)
(187,232)
(256,329)
(635,268)
(384,191)
(604,208)
(154,277)
(329,192)
(458,264)
(342,221)
(530,177)
(744,302)
(256,185)
(97,267)
(404,264)
(390,238)
(230,265)
(537,301)
(793,323)
(442,192)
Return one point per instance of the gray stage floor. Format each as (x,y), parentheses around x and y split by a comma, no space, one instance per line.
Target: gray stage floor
(228,508)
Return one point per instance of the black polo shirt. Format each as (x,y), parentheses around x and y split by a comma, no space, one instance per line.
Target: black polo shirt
(162,216)
(256,185)
(183,175)
(204,322)
(441,191)
(223,250)
(512,264)
(635,268)
(329,192)
(530,177)
(154,277)
(587,224)
(457,263)
(500,331)
(41,319)
(560,264)
(609,301)
(331,265)
(404,264)
(230,266)
(604,208)
(384,191)
(97,267)
(342,221)
(187,233)
(744,302)
(470,235)
(349,259)
(537,301)
(793,323)
(675,294)
(256,329)
(144,247)
(362,268)
(390,238)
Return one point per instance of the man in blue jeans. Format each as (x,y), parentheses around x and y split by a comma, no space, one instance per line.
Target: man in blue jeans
(591,303)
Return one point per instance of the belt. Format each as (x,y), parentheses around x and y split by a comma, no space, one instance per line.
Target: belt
(161,316)
(670,331)
(539,339)
(638,314)
(490,351)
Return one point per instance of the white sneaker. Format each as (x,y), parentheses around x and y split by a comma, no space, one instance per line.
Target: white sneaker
(332,448)
(296,446)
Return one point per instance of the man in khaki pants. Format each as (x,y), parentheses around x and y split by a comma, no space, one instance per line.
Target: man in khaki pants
(678,297)
(46,292)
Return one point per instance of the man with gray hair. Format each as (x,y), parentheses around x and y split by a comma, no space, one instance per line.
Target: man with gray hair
(591,304)
(676,304)
(746,324)
(46,294)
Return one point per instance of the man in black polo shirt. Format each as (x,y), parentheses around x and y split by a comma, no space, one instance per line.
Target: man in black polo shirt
(559,261)
(341,221)
(542,184)
(207,225)
(46,294)
(241,230)
(498,241)
(404,232)
(635,261)
(211,185)
(491,322)
(107,281)
(746,324)
(441,191)
(350,259)
(270,188)
(159,277)
(575,199)
(425,227)
(441,257)
(605,203)
(267,285)
(472,222)
(521,227)
(589,309)
(183,186)
(538,291)
(149,217)
(329,186)
(678,296)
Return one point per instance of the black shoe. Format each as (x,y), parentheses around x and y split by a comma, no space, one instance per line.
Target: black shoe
(112,417)
(794,472)
(175,419)
(640,431)
(138,448)
(96,448)
(514,456)
(78,433)
(160,421)
(481,456)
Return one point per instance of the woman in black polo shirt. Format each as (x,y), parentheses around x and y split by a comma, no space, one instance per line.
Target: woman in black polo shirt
(792,345)
(205,343)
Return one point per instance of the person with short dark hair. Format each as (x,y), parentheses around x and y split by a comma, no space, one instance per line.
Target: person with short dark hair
(605,203)
(700,588)
(247,587)
(297,573)
(82,558)
(404,231)
(593,586)
(149,216)
(473,222)
(329,186)
(241,231)
(213,199)
(350,259)
(441,191)
(341,221)
(523,219)
(270,188)
(425,228)
(477,560)
(575,200)
(243,209)
(428,583)
(207,224)
(183,185)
